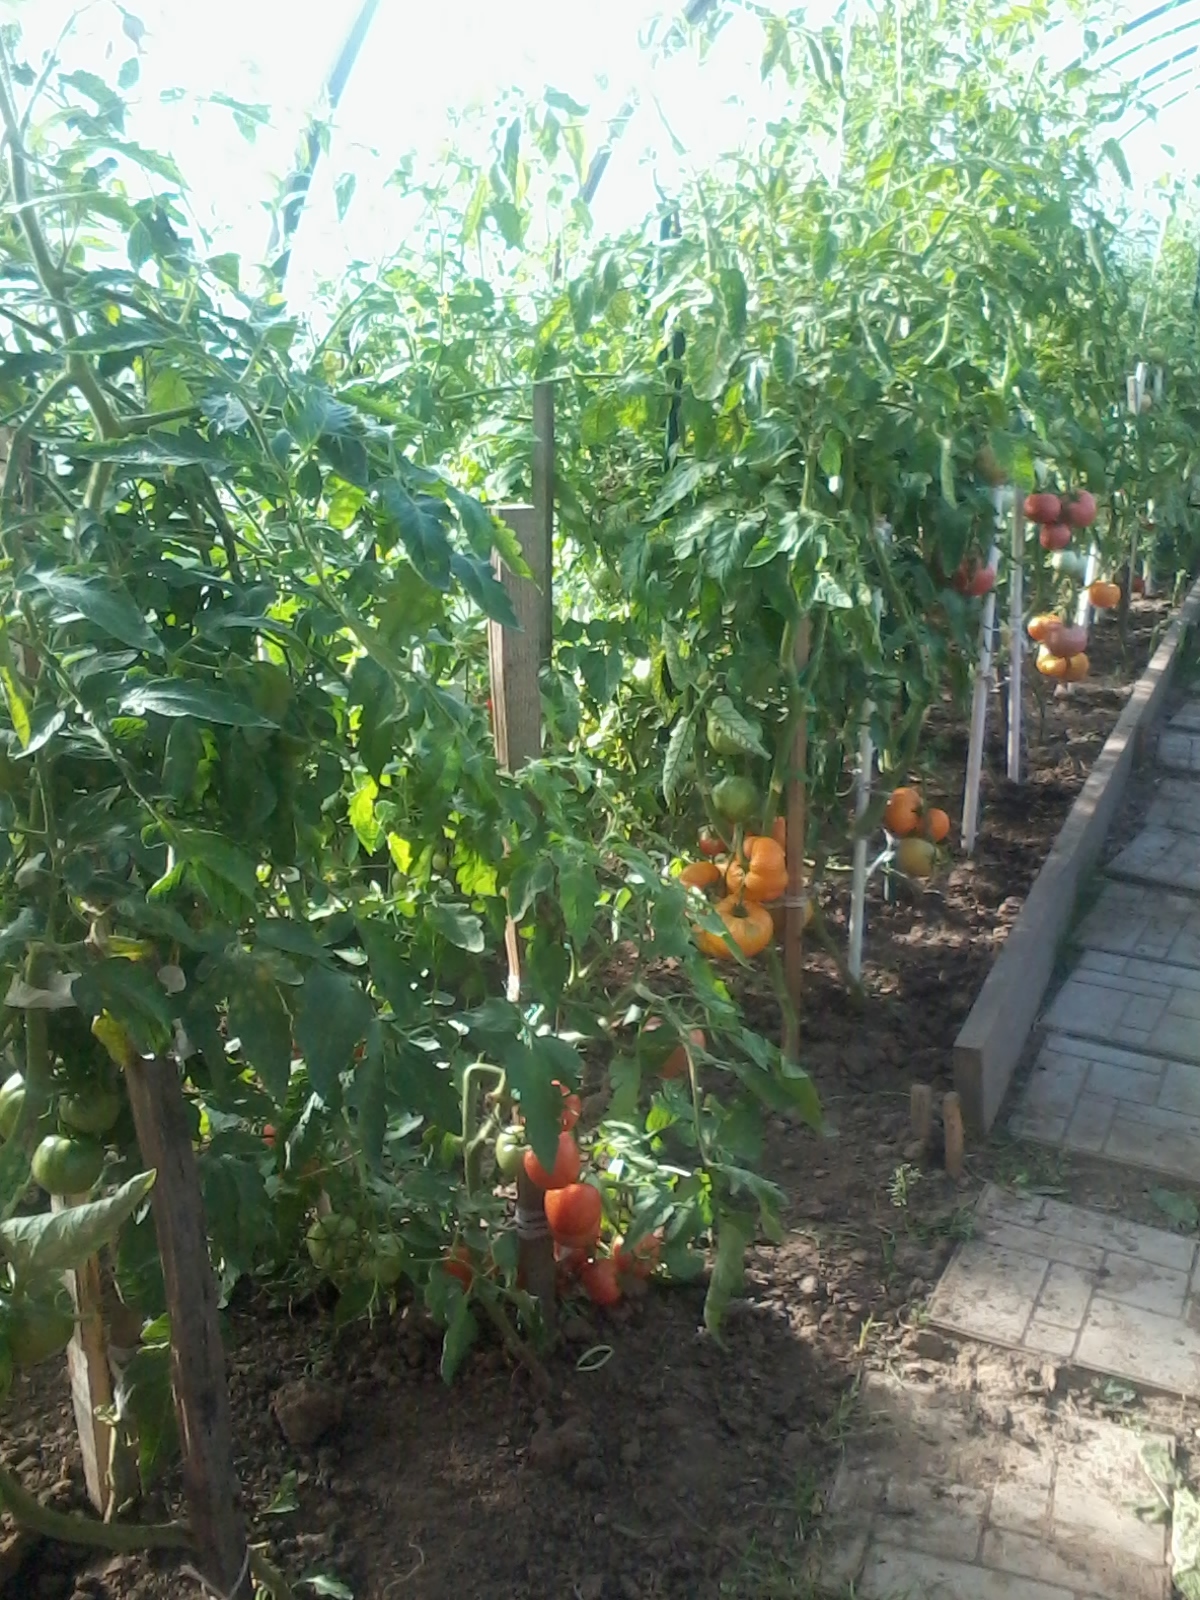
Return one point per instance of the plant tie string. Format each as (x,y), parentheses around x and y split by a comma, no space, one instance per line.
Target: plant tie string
(531,1224)
(190,1572)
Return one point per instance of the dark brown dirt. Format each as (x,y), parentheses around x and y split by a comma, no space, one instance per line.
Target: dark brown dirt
(673,1467)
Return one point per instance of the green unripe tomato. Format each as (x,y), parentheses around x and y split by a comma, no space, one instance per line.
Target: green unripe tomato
(384,1260)
(67,1166)
(95,1110)
(510,1152)
(35,1330)
(12,1098)
(735,799)
(334,1243)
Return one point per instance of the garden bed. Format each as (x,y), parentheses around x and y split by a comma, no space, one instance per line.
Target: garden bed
(663,1465)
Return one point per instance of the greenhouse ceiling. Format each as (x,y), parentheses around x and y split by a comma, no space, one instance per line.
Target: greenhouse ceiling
(423,68)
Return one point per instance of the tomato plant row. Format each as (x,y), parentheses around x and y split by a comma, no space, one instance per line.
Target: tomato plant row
(253,826)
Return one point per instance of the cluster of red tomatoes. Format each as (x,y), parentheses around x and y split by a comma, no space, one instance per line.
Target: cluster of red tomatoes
(575,1213)
(1058,516)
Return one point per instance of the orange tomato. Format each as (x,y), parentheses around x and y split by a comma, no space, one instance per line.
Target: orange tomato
(1077,668)
(566,1166)
(937,825)
(600,1283)
(676,1063)
(1104,595)
(901,815)
(763,874)
(1039,627)
(1050,665)
(750,926)
(701,875)
(574,1213)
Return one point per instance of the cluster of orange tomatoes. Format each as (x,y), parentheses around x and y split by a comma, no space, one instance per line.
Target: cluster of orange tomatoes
(918,830)
(746,880)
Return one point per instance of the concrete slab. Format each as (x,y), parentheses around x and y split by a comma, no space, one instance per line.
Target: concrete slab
(1149,1006)
(1082,1287)
(927,1504)
(1135,920)
(1176,804)
(1179,750)
(1187,717)
(1140,1110)
(1161,855)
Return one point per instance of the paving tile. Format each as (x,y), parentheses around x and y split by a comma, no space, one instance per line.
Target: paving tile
(1136,919)
(1128,1106)
(1150,1005)
(1187,717)
(927,1504)
(1066,1294)
(1141,1283)
(1179,750)
(1126,1342)
(1161,855)
(893,1573)
(991,1287)
(1175,804)
(1132,1315)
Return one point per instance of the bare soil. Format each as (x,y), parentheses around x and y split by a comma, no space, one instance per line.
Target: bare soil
(665,1466)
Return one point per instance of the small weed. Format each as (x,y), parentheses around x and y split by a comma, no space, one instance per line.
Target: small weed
(904,1181)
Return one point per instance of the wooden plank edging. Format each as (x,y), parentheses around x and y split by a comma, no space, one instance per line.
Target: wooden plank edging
(991,1040)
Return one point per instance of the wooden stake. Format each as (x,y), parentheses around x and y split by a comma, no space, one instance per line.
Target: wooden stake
(515,659)
(793,950)
(108,1467)
(198,1380)
(920,1112)
(952,1127)
(543,509)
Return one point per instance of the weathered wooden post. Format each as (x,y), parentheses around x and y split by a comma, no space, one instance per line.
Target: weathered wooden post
(515,659)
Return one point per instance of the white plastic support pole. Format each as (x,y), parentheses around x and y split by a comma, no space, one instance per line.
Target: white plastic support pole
(1083,608)
(1016,639)
(858,889)
(983,684)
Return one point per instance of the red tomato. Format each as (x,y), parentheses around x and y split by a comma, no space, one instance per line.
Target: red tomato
(1044,508)
(711,844)
(574,1213)
(1055,536)
(1080,510)
(982,583)
(600,1283)
(572,1107)
(566,1165)
(457,1263)
(269,1135)
(1138,586)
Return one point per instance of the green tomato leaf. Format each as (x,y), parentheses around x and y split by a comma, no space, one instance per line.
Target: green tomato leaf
(224,860)
(57,1241)
(531,1072)
(679,751)
(461,1332)
(105,603)
(176,697)
(734,1231)
(130,993)
(578,891)
(735,733)
(331,1019)
(259,1018)
(458,926)
(362,816)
